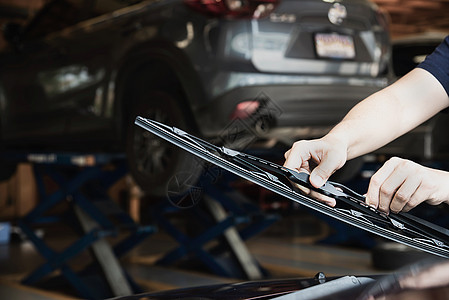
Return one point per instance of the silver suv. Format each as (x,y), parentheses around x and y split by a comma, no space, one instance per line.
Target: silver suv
(75,77)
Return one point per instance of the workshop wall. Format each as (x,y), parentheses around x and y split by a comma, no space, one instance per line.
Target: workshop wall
(416,16)
(18,195)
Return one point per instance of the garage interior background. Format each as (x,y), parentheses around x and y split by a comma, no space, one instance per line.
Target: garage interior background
(407,18)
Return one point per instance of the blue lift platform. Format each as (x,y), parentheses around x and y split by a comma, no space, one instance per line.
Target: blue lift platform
(79,182)
(220,222)
(225,217)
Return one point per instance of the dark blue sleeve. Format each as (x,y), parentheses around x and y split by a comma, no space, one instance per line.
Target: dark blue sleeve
(437,64)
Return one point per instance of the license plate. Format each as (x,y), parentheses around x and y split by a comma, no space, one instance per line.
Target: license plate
(333,45)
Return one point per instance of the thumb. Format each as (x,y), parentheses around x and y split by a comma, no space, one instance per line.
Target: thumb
(318,177)
(322,172)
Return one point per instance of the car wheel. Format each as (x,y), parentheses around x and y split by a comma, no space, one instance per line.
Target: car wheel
(393,256)
(154,162)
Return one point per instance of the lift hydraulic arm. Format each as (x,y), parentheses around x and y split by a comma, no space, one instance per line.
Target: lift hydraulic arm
(351,208)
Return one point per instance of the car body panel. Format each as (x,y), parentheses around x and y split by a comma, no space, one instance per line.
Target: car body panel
(69,84)
(69,73)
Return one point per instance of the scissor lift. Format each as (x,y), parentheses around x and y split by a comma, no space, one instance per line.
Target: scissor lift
(227,220)
(82,182)
(224,218)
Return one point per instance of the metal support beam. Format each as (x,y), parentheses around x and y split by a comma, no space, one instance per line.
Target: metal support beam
(104,254)
(232,236)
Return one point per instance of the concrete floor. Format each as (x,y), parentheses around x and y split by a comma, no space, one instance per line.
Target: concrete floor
(287,249)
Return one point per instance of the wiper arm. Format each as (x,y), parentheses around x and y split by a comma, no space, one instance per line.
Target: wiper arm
(351,207)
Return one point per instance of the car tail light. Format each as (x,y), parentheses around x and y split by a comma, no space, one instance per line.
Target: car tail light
(233,8)
(245,109)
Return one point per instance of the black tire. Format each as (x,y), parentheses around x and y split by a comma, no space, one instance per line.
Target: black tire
(392,256)
(152,161)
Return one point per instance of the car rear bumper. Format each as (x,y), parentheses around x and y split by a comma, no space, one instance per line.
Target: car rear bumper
(289,107)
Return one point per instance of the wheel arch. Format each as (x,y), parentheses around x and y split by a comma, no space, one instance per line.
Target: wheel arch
(170,67)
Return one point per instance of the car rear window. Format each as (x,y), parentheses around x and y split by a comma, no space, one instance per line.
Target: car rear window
(60,14)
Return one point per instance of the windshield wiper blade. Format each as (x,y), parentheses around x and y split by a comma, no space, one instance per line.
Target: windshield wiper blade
(351,207)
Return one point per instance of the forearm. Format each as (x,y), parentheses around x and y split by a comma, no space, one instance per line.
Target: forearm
(389,113)
(368,126)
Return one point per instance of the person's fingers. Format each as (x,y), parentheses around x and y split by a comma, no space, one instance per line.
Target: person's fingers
(287,153)
(400,185)
(390,187)
(324,199)
(420,195)
(305,154)
(295,157)
(317,196)
(404,194)
(375,184)
(300,157)
(324,170)
(432,187)
(427,278)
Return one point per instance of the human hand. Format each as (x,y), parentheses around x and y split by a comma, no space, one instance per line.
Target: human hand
(431,277)
(320,158)
(400,185)
(426,279)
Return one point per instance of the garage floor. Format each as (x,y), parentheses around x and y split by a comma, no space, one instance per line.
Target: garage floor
(287,249)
